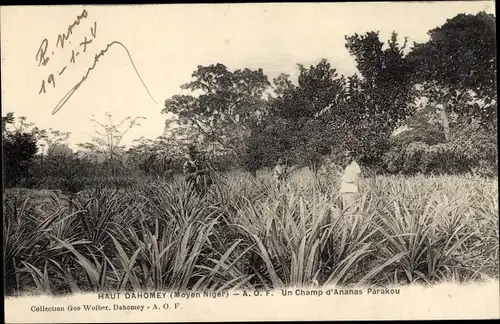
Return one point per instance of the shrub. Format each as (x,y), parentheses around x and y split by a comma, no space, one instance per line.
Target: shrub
(471,148)
(19,149)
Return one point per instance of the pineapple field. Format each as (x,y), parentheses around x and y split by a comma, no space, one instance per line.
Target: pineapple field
(249,232)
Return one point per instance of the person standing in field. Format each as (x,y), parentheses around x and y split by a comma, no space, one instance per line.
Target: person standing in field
(147,165)
(280,171)
(191,166)
(349,181)
(168,173)
(195,171)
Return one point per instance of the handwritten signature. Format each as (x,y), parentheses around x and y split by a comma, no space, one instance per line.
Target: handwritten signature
(70,93)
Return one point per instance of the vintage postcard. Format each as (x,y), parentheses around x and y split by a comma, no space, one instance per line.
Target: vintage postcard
(250,162)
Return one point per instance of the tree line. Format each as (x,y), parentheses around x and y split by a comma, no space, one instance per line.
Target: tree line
(443,90)
(429,107)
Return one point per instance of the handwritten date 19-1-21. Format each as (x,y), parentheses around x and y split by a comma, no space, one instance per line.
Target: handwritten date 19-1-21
(70,93)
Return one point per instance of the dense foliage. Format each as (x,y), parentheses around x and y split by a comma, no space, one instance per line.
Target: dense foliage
(440,90)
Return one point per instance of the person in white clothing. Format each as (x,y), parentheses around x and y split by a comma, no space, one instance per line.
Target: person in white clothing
(349,181)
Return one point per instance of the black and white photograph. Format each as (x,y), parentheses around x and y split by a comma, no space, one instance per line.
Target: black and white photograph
(208,148)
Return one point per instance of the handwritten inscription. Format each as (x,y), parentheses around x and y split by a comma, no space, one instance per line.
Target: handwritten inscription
(43,60)
(70,93)
(42,51)
(42,57)
(65,36)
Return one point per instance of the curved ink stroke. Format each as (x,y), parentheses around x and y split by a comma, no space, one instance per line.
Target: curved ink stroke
(70,93)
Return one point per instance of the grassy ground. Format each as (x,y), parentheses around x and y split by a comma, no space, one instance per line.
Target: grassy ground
(251,233)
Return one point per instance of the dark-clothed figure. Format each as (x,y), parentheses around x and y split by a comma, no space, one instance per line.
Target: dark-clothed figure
(168,173)
(280,171)
(196,171)
(147,166)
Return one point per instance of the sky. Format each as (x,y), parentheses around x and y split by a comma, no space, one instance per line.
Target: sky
(167,43)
